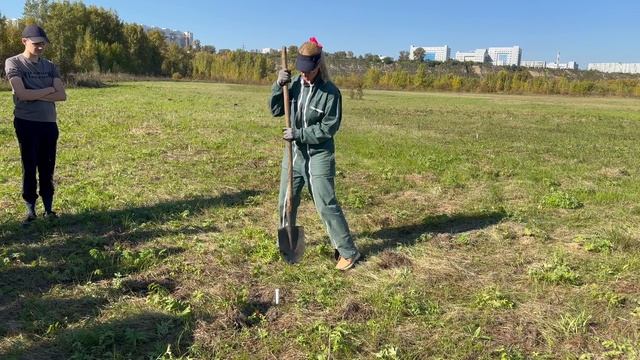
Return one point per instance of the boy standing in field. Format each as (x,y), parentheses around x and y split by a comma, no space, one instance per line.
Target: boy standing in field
(36,87)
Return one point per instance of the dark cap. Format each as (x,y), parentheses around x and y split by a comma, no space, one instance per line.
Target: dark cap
(35,33)
(307,63)
(309,55)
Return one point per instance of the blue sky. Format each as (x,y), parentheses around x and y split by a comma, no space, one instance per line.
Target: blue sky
(582,31)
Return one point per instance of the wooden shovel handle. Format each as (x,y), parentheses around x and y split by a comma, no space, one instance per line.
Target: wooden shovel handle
(287,119)
(285,90)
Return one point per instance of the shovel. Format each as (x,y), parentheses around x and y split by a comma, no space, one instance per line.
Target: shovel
(290,236)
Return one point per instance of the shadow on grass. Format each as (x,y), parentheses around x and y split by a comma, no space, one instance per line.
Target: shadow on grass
(85,247)
(117,220)
(146,335)
(65,256)
(438,224)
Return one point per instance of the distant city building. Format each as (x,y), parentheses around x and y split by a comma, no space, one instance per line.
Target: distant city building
(626,68)
(268,51)
(432,53)
(499,56)
(505,56)
(571,65)
(477,56)
(181,38)
(534,64)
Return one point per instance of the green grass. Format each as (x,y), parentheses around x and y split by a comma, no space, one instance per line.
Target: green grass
(492,227)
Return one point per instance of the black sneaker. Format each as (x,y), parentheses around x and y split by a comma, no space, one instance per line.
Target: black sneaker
(28,219)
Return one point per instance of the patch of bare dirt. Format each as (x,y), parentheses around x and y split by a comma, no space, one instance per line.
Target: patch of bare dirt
(443,240)
(614,173)
(511,329)
(627,287)
(577,343)
(354,310)
(421,179)
(259,305)
(389,259)
(146,129)
(141,286)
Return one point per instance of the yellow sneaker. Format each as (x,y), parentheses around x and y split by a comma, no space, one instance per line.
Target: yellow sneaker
(346,264)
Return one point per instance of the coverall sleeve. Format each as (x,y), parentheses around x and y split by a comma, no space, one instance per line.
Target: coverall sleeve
(276,101)
(327,127)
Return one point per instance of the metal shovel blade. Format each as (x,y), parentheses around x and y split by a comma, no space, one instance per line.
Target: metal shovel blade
(291,243)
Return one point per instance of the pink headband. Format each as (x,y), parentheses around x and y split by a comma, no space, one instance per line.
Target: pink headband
(315,41)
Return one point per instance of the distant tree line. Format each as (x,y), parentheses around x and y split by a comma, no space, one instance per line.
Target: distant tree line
(90,39)
(506,81)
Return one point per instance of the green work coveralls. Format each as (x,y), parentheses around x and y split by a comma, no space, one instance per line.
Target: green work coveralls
(316,112)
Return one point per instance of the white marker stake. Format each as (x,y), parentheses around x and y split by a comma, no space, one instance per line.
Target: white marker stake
(277,296)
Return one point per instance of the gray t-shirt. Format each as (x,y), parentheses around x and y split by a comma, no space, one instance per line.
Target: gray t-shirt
(38,75)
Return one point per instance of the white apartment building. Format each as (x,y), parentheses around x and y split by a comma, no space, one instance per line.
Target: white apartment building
(432,53)
(505,56)
(477,56)
(571,65)
(626,68)
(182,38)
(534,64)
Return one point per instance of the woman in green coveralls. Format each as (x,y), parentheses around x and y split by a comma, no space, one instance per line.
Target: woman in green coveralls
(316,112)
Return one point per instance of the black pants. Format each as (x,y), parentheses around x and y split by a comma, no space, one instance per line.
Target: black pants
(38,142)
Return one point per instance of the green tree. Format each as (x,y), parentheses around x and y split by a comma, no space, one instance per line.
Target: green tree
(138,48)
(456,83)
(372,78)
(202,65)
(10,40)
(176,60)
(262,66)
(158,49)
(86,57)
(111,57)
(105,25)
(340,54)
(387,60)
(197,46)
(420,78)
(418,54)
(292,51)
(36,11)
(400,79)
(371,58)
(209,48)
(66,23)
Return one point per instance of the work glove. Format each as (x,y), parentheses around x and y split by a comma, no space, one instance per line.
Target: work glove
(284,76)
(289,134)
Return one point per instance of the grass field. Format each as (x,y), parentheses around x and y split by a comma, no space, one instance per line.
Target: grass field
(492,227)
